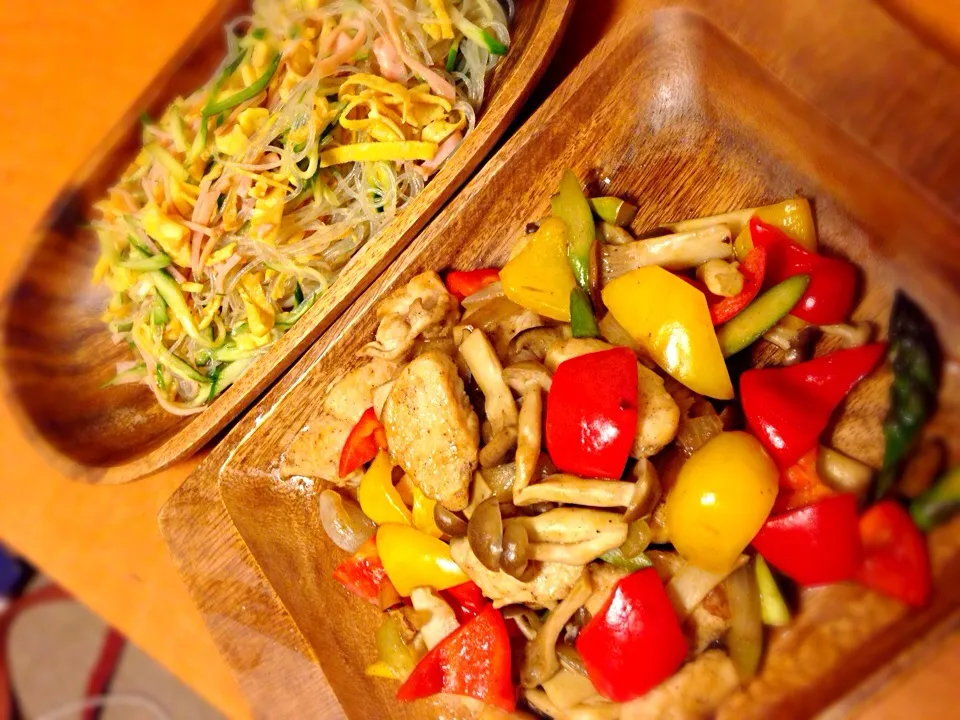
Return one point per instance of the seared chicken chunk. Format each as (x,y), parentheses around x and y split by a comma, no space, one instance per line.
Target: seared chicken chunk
(657,412)
(696,691)
(657,415)
(421,309)
(315,451)
(548,587)
(432,431)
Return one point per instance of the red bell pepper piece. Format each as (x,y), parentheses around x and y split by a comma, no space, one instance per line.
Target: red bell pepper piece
(801,484)
(362,573)
(815,544)
(466,599)
(365,439)
(833,282)
(895,559)
(634,643)
(753,268)
(463,283)
(788,407)
(474,660)
(592,413)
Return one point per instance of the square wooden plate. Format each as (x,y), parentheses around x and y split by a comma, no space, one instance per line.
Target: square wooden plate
(671,111)
(56,353)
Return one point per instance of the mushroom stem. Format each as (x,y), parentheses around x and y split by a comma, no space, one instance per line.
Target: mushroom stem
(678,251)
(500,444)
(522,376)
(540,662)
(570,525)
(571,490)
(486,369)
(528,440)
(579,553)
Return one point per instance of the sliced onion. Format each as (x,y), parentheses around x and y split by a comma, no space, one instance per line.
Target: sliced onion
(344,521)
(491,291)
(745,637)
(694,433)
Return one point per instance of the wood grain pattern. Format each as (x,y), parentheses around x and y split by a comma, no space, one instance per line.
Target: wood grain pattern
(56,353)
(676,111)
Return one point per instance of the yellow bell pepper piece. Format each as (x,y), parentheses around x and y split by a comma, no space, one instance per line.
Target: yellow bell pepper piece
(423,513)
(723,495)
(792,216)
(670,320)
(539,277)
(378,498)
(381,670)
(414,559)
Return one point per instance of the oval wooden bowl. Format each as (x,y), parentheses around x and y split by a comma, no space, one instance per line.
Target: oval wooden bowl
(674,112)
(56,354)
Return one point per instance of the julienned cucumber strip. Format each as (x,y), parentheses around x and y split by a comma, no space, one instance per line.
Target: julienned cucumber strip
(761,315)
(451,64)
(289,318)
(476,34)
(145,264)
(228,374)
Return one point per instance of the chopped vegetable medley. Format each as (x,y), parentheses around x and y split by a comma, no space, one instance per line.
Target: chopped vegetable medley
(250,195)
(565,504)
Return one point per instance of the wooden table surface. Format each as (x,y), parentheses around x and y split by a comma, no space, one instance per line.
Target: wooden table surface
(68,70)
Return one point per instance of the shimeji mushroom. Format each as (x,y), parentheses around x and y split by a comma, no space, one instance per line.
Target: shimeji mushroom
(638,497)
(528,441)
(678,251)
(501,410)
(540,660)
(523,376)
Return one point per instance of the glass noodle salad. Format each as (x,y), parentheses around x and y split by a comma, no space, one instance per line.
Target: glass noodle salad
(250,195)
(564,502)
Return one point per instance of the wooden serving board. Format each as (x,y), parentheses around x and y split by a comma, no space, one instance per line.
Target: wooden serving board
(56,353)
(690,108)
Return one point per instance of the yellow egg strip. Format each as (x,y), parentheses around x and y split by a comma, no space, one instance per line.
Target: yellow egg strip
(397,151)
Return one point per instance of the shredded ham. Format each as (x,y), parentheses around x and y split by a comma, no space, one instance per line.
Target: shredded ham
(390,64)
(428,167)
(201,216)
(127,199)
(437,83)
(208,248)
(343,52)
(222,270)
(177,275)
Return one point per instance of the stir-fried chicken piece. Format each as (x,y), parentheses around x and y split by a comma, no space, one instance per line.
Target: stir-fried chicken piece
(420,309)
(657,415)
(548,587)
(694,692)
(315,451)
(432,430)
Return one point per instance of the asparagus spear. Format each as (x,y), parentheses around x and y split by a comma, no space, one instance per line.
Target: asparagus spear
(915,357)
